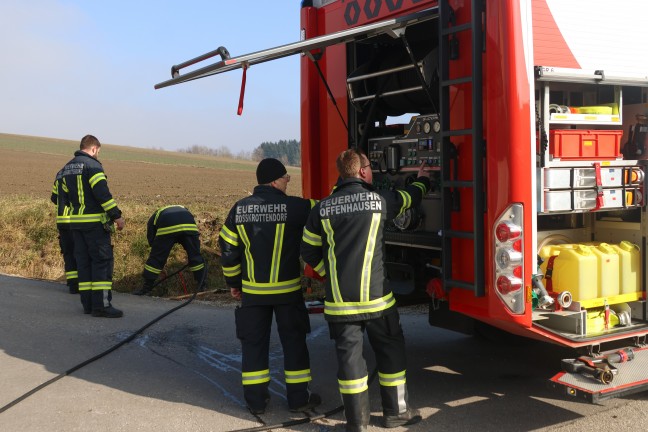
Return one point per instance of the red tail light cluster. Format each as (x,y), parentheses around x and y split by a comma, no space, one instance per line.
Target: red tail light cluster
(509,259)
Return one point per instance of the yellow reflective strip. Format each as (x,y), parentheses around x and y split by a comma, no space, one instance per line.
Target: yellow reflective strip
(71,275)
(109,204)
(65,188)
(365,278)
(152,269)
(229,236)
(335,287)
(248,255)
(276,252)
(97,178)
(313,203)
(177,228)
(80,194)
(102,285)
(272,287)
(85,286)
(294,377)
(320,269)
(353,386)
(420,186)
(392,380)
(197,267)
(55,188)
(354,308)
(404,198)
(157,214)
(311,238)
(86,218)
(256,377)
(232,271)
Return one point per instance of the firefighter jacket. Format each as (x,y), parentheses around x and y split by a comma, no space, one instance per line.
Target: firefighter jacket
(260,246)
(60,199)
(343,240)
(170,220)
(87,191)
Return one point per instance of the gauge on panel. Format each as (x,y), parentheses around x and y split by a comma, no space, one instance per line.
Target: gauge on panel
(436,126)
(426,127)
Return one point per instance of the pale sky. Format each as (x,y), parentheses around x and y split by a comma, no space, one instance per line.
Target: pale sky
(73,67)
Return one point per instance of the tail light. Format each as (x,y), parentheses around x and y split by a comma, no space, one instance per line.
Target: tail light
(509,258)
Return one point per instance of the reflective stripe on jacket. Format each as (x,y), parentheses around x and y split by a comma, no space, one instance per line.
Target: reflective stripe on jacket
(343,240)
(87,191)
(60,198)
(260,245)
(170,220)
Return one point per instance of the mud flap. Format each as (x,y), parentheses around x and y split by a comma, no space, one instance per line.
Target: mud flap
(582,378)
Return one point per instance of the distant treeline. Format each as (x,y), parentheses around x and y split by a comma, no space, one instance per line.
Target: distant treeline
(287,151)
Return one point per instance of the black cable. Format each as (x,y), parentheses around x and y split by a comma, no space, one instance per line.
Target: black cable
(330,93)
(308,419)
(114,347)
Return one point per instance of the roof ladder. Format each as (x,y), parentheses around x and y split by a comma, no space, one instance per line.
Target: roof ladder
(448,51)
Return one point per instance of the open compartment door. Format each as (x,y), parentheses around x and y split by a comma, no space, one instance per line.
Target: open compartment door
(302,47)
(599,377)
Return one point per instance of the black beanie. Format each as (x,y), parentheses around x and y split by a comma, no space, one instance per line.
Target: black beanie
(269,170)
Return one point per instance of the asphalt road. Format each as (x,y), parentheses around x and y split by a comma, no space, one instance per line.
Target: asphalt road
(183,373)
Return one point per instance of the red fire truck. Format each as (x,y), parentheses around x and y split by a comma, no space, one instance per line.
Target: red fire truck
(532,119)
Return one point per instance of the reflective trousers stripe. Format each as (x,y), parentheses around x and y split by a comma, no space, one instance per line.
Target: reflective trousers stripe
(71,275)
(353,386)
(256,377)
(294,377)
(152,269)
(197,267)
(394,379)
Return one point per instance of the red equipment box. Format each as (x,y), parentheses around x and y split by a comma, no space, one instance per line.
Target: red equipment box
(585,144)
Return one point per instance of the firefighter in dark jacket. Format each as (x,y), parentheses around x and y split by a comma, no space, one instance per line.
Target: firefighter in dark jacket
(66,241)
(93,211)
(343,241)
(166,227)
(260,257)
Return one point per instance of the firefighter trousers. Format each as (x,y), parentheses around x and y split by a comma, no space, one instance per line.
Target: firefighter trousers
(160,250)
(66,243)
(386,338)
(253,325)
(94,258)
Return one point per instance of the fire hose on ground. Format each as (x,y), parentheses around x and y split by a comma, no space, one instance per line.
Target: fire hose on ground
(192,297)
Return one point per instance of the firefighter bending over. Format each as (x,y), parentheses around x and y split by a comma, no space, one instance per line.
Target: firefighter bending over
(66,240)
(260,256)
(343,240)
(166,227)
(93,211)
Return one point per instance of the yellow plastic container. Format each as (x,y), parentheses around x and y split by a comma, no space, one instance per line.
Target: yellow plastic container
(575,269)
(629,267)
(607,269)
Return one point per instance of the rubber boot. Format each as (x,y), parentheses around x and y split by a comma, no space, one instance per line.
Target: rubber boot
(146,289)
(356,410)
(198,275)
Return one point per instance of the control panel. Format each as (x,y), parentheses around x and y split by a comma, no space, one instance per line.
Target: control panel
(395,161)
(421,143)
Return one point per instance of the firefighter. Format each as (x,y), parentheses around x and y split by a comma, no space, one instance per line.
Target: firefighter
(635,147)
(93,213)
(343,241)
(166,227)
(260,257)
(66,241)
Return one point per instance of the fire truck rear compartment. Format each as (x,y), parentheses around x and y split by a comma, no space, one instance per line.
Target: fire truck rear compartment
(383,84)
